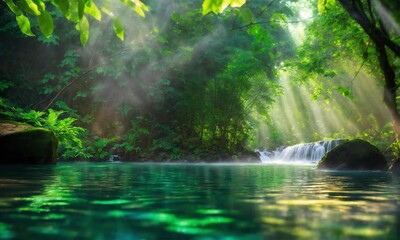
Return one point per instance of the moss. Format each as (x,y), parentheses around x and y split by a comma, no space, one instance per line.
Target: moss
(15,123)
(31,145)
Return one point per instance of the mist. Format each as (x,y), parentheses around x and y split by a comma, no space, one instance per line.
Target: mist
(182,83)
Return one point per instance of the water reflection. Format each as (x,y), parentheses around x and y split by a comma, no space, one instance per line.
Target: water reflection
(149,201)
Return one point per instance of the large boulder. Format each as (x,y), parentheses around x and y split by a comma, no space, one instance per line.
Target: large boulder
(354,154)
(24,144)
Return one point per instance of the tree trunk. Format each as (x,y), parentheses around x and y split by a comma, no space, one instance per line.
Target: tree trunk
(381,41)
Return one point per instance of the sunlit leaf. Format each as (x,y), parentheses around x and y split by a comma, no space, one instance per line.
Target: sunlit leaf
(93,11)
(46,24)
(14,8)
(345,91)
(139,11)
(40,5)
(222,6)
(118,28)
(107,11)
(25,25)
(29,6)
(137,6)
(323,5)
(53,116)
(73,12)
(237,3)
(142,6)
(84,30)
(218,6)
(207,6)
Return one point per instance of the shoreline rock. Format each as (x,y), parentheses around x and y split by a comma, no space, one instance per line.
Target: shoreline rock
(354,154)
(24,144)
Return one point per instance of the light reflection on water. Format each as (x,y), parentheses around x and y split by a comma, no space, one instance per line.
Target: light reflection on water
(201,201)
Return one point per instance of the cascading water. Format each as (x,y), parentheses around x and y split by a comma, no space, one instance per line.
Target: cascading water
(306,152)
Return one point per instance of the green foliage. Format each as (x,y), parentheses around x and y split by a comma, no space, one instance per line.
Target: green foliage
(24,24)
(188,86)
(333,42)
(218,6)
(67,70)
(83,28)
(118,28)
(324,5)
(46,24)
(130,143)
(68,135)
(100,148)
(74,11)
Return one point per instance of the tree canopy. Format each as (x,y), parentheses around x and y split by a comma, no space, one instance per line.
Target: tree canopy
(189,78)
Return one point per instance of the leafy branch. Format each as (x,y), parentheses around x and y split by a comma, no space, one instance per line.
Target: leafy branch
(75,80)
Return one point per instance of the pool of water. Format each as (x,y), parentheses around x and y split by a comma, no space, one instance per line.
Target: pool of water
(201,201)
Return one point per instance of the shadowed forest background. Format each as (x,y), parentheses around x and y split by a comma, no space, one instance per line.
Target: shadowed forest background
(183,85)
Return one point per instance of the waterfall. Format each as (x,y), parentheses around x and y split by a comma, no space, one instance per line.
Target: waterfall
(306,152)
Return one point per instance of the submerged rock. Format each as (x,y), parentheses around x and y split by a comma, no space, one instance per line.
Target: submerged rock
(24,144)
(354,154)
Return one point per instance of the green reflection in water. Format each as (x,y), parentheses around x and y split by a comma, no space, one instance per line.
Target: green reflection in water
(185,225)
(190,230)
(116,214)
(210,211)
(365,232)
(112,202)
(47,230)
(99,201)
(5,231)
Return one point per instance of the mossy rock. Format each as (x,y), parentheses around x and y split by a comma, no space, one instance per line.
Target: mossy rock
(24,144)
(354,154)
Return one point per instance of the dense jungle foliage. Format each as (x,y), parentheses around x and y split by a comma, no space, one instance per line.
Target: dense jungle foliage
(184,82)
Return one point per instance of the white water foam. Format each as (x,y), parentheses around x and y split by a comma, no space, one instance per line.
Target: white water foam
(301,153)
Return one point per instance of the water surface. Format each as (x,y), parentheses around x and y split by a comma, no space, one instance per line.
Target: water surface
(202,201)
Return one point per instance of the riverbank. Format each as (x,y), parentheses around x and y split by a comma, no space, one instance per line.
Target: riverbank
(210,157)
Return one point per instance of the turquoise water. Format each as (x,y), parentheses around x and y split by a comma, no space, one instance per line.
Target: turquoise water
(210,201)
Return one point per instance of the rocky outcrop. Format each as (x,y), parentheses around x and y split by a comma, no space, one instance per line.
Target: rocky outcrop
(354,154)
(24,144)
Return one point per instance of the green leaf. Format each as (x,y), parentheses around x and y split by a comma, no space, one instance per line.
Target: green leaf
(63,5)
(52,117)
(29,6)
(25,25)
(92,10)
(345,91)
(323,5)
(207,6)
(46,24)
(141,5)
(84,30)
(247,15)
(137,6)
(218,6)
(139,11)
(107,11)
(81,8)
(237,3)
(14,8)
(40,5)
(33,7)
(118,28)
